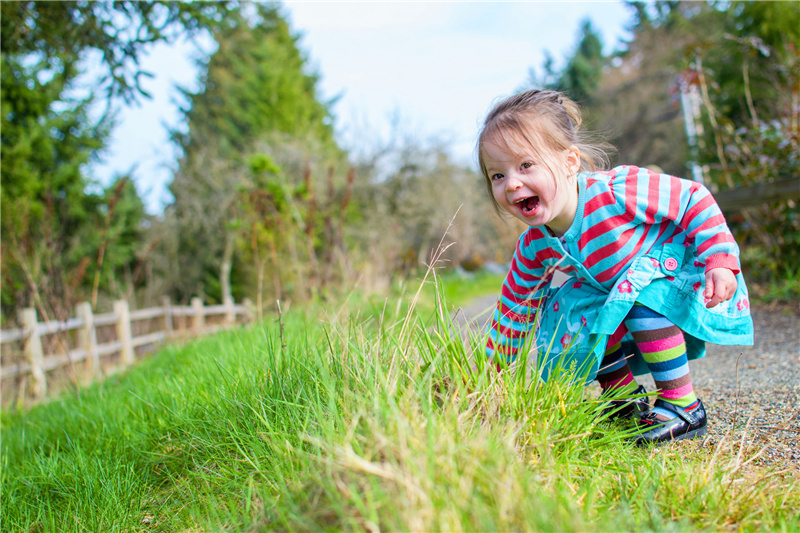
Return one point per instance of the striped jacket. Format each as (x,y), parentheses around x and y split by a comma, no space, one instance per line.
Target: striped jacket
(623,214)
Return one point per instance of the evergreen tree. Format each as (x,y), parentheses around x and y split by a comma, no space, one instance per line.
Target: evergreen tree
(255,89)
(47,204)
(583,71)
(255,83)
(46,142)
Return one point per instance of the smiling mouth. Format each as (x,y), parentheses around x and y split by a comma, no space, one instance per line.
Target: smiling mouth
(528,206)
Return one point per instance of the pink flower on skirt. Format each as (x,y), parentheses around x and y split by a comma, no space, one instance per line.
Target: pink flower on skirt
(565,340)
(577,285)
(743,304)
(555,307)
(625,287)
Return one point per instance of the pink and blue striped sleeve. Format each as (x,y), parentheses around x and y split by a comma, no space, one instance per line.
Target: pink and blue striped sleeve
(523,293)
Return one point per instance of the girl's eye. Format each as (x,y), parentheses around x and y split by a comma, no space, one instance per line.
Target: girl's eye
(497,177)
(527,164)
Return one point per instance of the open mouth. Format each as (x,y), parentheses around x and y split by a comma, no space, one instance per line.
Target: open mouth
(528,206)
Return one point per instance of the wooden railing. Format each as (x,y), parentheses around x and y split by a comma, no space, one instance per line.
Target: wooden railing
(34,352)
(759,194)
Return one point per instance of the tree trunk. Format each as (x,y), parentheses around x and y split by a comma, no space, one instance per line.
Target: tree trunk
(225,268)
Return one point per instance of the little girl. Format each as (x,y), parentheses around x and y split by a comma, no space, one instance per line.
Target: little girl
(653,270)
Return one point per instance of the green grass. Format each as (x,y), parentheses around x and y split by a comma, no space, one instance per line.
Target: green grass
(377,419)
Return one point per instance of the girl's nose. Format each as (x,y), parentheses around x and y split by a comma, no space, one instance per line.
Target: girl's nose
(513,183)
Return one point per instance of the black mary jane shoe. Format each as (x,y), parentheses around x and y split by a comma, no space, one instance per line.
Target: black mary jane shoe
(686,425)
(626,408)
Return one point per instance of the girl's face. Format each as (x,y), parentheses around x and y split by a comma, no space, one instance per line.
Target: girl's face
(534,188)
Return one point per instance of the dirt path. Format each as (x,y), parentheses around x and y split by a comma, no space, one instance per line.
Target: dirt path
(752,390)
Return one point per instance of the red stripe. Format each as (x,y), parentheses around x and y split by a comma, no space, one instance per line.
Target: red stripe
(512,297)
(520,317)
(696,210)
(631,190)
(719,238)
(524,274)
(547,253)
(520,289)
(716,220)
(610,273)
(723,260)
(661,229)
(533,234)
(601,228)
(613,223)
(674,199)
(653,190)
(615,337)
(598,202)
(509,332)
(609,249)
(500,348)
(531,263)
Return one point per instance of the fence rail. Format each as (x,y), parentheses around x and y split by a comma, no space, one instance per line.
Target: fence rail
(42,348)
(759,194)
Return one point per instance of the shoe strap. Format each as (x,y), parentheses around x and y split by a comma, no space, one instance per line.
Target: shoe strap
(686,417)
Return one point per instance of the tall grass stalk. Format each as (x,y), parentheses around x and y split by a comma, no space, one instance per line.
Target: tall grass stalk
(377,420)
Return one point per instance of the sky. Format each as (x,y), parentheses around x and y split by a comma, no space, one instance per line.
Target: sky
(434,68)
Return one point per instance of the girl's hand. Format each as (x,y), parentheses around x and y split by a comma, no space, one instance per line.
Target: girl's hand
(720,286)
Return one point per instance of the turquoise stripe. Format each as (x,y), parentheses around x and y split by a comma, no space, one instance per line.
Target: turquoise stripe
(645,324)
(505,341)
(530,284)
(507,322)
(672,374)
(520,309)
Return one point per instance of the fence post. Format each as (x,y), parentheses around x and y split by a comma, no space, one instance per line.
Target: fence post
(167,316)
(230,313)
(88,337)
(199,317)
(122,311)
(249,310)
(34,352)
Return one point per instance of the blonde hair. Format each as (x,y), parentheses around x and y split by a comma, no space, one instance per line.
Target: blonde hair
(547,121)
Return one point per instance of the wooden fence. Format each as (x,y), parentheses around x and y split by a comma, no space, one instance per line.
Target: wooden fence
(82,349)
(759,194)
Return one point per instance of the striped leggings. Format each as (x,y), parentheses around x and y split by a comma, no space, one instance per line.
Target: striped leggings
(663,349)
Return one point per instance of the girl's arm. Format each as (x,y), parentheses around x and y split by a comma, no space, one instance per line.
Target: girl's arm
(523,293)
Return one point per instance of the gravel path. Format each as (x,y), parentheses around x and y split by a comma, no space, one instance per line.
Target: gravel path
(753,391)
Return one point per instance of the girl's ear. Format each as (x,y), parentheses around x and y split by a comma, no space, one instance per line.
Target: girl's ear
(573,160)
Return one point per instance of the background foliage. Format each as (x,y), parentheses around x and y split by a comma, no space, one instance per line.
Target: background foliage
(742,60)
(268,206)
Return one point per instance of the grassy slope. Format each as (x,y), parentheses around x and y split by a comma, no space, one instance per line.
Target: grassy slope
(375,422)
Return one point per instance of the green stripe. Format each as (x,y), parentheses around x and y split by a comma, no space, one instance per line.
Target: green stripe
(665,355)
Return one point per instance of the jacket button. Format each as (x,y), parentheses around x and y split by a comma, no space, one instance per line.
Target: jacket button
(670,264)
